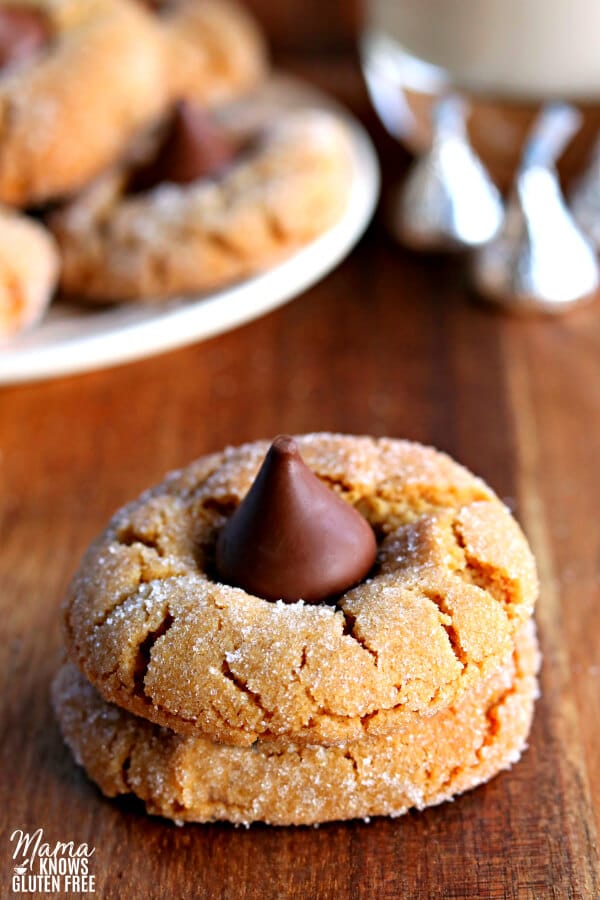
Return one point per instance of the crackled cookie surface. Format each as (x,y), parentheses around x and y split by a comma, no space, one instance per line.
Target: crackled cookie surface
(195,780)
(73,98)
(148,623)
(291,184)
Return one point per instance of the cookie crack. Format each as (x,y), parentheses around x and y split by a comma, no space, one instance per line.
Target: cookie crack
(349,631)
(125,767)
(242,686)
(144,654)
(225,506)
(493,724)
(122,599)
(179,717)
(447,624)
(364,720)
(336,483)
(319,709)
(129,536)
(484,575)
(150,703)
(451,776)
(348,755)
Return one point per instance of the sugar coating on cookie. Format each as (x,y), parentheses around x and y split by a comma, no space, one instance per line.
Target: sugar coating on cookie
(216,51)
(149,625)
(71,109)
(192,779)
(292,185)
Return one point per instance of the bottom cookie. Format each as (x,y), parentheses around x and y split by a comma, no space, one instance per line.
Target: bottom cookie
(192,779)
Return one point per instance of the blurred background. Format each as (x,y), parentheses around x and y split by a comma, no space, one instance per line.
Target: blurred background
(301,27)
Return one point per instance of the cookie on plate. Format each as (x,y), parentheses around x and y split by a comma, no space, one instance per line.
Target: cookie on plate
(207,205)
(216,51)
(78,78)
(318,592)
(29,266)
(192,779)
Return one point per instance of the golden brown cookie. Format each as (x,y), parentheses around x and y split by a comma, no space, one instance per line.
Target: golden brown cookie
(216,51)
(191,779)
(70,107)
(29,266)
(292,184)
(150,626)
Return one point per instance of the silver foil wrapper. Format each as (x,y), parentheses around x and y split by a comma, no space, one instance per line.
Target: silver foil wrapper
(448,201)
(540,260)
(585,200)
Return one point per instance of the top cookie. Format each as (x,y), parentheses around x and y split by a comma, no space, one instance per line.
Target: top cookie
(72,105)
(288,186)
(85,76)
(151,627)
(216,50)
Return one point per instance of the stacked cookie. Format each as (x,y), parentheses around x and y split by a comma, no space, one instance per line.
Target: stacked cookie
(100,91)
(330,628)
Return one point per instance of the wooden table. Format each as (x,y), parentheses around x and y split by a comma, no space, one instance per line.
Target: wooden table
(388,344)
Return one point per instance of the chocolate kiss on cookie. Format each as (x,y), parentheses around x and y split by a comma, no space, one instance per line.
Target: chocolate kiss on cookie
(292,537)
(193,147)
(23,31)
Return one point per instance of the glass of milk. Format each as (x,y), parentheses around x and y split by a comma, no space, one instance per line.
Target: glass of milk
(526,50)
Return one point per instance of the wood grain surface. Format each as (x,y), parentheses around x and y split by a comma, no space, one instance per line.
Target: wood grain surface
(388,344)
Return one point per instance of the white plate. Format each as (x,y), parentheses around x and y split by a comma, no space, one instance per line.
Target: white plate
(72,339)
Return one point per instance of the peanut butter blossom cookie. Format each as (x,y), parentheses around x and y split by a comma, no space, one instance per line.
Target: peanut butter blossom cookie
(206,204)
(305,612)
(198,607)
(78,78)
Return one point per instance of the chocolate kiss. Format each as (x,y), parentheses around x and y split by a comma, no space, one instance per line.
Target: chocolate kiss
(193,147)
(292,538)
(22,32)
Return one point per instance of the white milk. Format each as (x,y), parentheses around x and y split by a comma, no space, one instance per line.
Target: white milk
(525,48)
